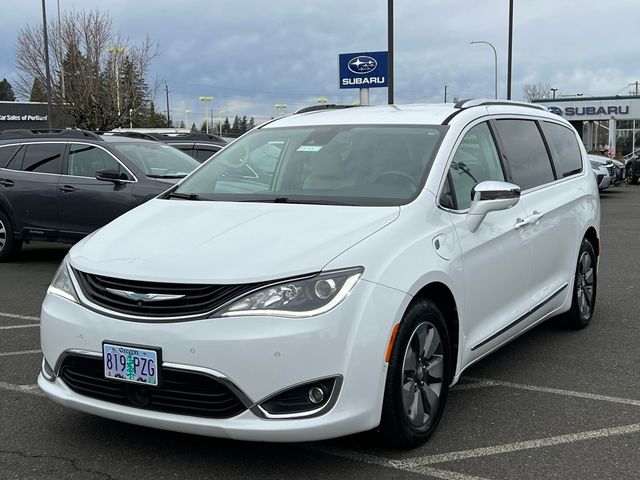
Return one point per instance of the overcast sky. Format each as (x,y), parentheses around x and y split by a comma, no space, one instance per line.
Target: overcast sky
(252,54)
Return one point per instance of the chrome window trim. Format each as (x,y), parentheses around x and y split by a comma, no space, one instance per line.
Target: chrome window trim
(135,179)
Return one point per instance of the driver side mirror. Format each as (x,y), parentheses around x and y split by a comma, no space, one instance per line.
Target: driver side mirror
(110,176)
(490,196)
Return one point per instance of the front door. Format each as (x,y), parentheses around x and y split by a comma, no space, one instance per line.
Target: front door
(84,203)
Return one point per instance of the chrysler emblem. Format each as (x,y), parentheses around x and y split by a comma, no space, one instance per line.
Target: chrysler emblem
(144,297)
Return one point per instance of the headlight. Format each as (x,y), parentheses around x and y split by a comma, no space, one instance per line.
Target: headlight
(297,298)
(62,285)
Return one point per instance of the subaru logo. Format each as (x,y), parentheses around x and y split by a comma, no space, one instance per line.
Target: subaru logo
(555,110)
(143,297)
(362,64)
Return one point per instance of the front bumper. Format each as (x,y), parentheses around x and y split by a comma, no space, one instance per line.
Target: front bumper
(258,355)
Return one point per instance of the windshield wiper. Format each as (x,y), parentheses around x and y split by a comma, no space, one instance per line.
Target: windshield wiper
(302,201)
(184,196)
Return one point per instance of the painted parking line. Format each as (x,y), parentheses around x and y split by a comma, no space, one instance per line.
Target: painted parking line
(21,352)
(19,317)
(416,463)
(384,462)
(556,391)
(30,389)
(11,327)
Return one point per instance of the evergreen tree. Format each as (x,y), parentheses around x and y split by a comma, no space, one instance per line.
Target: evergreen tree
(182,124)
(6,91)
(236,125)
(193,127)
(203,127)
(252,123)
(38,93)
(155,119)
(243,124)
(226,126)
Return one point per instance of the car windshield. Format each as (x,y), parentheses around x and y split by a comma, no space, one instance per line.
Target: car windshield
(336,164)
(158,160)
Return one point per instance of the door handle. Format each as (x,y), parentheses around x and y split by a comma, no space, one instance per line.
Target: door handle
(5,182)
(67,188)
(521,222)
(535,216)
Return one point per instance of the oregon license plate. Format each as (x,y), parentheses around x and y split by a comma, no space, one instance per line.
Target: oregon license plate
(130,364)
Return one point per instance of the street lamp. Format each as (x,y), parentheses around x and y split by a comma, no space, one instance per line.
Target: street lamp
(186,118)
(117,51)
(280,107)
(495,58)
(206,101)
(221,113)
(554,90)
(322,99)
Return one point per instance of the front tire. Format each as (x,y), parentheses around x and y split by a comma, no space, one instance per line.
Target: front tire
(418,377)
(9,246)
(631,178)
(584,288)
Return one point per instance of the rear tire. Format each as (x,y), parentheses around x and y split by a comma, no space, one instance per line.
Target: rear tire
(9,246)
(584,289)
(418,377)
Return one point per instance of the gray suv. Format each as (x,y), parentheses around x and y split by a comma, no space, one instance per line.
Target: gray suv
(62,185)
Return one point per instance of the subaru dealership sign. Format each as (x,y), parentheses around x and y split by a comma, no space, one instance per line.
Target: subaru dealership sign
(597,109)
(363,70)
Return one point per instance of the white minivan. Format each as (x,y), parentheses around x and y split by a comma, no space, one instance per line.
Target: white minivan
(330,272)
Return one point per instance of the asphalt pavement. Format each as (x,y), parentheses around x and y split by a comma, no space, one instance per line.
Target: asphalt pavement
(552,404)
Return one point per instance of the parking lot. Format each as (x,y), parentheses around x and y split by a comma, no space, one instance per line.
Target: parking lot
(552,404)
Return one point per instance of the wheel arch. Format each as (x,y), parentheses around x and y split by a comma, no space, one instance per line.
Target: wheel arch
(592,236)
(441,295)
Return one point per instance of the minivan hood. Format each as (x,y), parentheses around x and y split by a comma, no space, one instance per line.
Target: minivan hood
(225,242)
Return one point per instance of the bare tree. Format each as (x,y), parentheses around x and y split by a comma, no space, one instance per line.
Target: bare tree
(98,76)
(537,91)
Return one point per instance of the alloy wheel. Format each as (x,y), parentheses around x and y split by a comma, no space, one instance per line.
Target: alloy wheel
(585,279)
(422,375)
(3,235)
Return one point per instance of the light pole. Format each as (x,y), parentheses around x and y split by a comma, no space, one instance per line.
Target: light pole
(221,112)
(280,107)
(206,100)
(322,99)
(117,51)
(554,90)
(495,63)
(186,118)
(46,62)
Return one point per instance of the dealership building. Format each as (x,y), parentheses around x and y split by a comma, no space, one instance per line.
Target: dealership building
(602,121)
(31,115)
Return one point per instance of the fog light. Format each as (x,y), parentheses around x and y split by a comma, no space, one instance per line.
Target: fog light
(316,395)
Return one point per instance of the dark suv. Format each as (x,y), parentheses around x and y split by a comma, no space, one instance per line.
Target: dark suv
(198,145)
(62,185)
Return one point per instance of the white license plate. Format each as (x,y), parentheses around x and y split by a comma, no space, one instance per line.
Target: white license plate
(130,364)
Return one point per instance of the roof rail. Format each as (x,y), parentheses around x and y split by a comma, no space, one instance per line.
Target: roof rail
(476,102)
(186,136)
(48,133)
(322,106)
(143,136)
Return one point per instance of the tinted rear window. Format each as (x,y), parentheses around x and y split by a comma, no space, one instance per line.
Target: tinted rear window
(6,154)
(564,149)
(43,158)
(526,153)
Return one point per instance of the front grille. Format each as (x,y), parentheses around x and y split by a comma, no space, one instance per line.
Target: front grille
(180,391)
(198,299)
(612,171)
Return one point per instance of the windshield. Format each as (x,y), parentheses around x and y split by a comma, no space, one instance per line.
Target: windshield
(335,164)
(158,160)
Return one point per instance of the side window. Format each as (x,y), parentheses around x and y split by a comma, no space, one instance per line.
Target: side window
(475,161)
(526,153)
(43,158)
(86,160)
(564,148)
(204,153)
(6,154)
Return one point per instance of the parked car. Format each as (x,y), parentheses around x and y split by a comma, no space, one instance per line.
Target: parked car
(604,171)
(391,248)
(62,185)
(200,146)
(632,168)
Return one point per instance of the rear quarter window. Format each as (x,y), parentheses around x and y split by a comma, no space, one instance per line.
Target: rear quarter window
(564,149)
(6,154)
